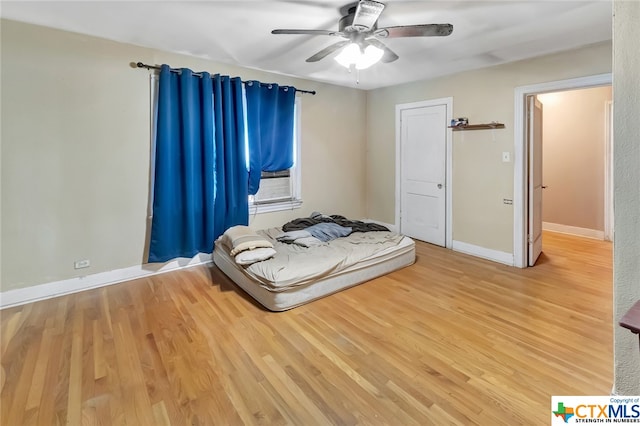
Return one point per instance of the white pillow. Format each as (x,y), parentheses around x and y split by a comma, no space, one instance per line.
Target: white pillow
(248,257)
(240,238)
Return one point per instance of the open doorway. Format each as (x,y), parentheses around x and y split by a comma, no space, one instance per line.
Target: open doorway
(574,152)
(571,174)
(522,205)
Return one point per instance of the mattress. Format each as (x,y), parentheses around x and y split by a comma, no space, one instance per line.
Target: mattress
(281,299)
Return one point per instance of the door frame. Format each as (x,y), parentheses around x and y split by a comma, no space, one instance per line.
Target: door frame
(521,172)
(448,102)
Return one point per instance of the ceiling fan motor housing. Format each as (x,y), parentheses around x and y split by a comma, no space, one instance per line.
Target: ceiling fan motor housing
(345,24)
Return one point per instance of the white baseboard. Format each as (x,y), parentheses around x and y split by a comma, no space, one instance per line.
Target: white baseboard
(50,290)
(388,225)
(485,253)
(573,230)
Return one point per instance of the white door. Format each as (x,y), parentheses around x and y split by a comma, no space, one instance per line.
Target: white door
(423,149)
(535,178)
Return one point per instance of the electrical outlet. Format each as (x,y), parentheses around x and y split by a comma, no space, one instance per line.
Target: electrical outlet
(79,264)
(506,156)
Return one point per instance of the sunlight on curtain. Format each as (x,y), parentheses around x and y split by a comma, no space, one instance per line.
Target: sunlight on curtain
(270,118)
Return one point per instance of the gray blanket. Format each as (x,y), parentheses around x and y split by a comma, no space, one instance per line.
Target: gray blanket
(316,218)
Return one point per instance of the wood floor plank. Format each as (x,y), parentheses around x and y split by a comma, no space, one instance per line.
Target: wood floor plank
(52,392)
(452,339)
(16,392)
(74,400)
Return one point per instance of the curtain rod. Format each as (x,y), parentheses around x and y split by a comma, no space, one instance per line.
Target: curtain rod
(153,67)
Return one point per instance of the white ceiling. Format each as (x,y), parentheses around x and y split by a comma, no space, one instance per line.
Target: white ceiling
(239,32)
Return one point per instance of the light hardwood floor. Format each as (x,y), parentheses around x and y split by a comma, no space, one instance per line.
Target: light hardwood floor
(450,340)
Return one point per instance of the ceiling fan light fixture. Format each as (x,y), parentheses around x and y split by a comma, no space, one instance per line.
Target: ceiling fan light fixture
(372,54)
(352,54)
(349,55)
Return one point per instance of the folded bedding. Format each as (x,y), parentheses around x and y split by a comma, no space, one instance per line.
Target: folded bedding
(246,246)
(241,238)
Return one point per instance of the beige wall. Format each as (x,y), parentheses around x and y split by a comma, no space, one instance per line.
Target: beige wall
(626,140)
(75,151)
(480,179)
(573,157)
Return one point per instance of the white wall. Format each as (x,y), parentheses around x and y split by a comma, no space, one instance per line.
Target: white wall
(75,152)
(573,157)
(626,141)
(480,179)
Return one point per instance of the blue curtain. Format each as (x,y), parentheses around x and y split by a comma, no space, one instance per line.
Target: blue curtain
(200,186)
(231,177)
(270,120)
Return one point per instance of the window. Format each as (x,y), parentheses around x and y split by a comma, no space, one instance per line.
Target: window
(280,190)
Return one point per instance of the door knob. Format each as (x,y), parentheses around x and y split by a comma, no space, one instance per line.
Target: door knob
(439,186)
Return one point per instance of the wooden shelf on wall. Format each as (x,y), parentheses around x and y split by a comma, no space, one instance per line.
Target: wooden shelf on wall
(478,126)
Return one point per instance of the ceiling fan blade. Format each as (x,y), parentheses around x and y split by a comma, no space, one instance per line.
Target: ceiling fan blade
(327,51)
(367,13)
(389,55)
(308,32)
(426,30)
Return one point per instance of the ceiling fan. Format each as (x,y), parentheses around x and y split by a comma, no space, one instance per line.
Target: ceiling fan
(359,28)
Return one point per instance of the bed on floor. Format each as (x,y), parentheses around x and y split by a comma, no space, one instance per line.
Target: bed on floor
(309,258)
